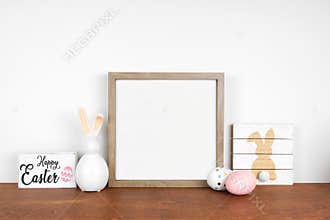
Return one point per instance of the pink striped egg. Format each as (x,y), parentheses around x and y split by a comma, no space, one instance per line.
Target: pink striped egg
(241,182)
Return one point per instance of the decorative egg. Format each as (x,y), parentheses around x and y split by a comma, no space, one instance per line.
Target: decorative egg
(217,177)
(67,174)
(241,182)
(92,172)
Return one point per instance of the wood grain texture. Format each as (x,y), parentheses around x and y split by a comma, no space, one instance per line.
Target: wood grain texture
(159,183)
(112,129)
(166,76)
(220,120)
(219,77)
(301,201)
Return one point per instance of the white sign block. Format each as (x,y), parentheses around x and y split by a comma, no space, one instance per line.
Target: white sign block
(278,146)
(283,177)
(249,161)
(49,170)
(284,131)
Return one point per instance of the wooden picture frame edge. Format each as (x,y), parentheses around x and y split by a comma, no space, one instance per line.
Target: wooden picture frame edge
(113,76)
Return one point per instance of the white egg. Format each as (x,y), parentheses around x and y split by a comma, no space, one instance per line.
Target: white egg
(217,177)
(92,172)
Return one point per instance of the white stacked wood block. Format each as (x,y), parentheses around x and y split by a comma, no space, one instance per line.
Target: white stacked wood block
(281,131)
(264,149)
(47,170)
(279,146)
(247,161)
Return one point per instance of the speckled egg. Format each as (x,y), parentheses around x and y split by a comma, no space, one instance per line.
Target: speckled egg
(241,182)
(217,177)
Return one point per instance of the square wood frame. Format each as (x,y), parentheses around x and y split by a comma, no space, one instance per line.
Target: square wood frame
(113,76)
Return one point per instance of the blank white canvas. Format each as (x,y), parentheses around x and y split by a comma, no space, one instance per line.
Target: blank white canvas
(165,129)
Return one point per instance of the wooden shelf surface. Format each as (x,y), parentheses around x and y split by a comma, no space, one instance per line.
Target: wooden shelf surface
(300,201)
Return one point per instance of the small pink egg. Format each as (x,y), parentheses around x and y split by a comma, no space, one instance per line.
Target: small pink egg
(241,182)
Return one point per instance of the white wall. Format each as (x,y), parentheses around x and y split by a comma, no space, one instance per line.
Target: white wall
(275,55)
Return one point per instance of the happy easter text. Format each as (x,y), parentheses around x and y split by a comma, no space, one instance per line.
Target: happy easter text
(45,177)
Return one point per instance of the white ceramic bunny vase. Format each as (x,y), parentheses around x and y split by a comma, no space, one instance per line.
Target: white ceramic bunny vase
(92,171)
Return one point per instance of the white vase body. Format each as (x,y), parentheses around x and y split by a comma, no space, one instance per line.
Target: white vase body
(92,172)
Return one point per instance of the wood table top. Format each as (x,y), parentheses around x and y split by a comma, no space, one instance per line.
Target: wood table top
(300,201)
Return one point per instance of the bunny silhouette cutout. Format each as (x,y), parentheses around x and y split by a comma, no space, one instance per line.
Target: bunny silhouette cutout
(263,150)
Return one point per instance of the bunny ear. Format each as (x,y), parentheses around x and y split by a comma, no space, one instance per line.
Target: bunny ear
(269,139)
(256,138)
(84,120)
(270,134)
(98,124)
(255,135)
